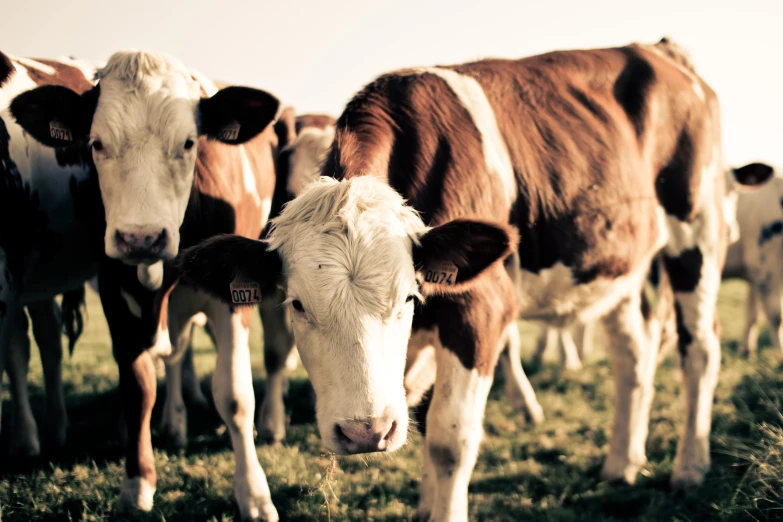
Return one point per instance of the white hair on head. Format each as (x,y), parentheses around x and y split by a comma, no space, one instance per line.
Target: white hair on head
(344,239)
(309,151)
(137,69)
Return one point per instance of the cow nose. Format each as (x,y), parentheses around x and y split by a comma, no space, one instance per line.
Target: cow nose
(365,436)
(141,244)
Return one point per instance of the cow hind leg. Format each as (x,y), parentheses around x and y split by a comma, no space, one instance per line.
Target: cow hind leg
(771,302)
(24,432)
(569,353)
(278,347)
(45,316)
(182,309)
(548,337)
(191,388)
(519,391)
(699,349)
(232,385)
(633,350)
(750,338)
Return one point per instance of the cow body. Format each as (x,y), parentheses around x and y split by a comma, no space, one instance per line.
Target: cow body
(164,143)
(50,243)
(598,160)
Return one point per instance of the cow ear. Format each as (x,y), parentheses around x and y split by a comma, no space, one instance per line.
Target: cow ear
(54,115)
(453,255)
(753,174)
(235,115)
(216,263)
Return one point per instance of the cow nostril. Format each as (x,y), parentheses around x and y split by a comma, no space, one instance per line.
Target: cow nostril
(390,434)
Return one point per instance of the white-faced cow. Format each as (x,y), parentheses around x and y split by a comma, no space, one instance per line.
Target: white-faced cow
(51,229)
(597,160)
(161,139)
(756,254)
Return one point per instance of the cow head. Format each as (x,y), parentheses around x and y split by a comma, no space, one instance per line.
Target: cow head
(356,257)
(747,177)
(143,121)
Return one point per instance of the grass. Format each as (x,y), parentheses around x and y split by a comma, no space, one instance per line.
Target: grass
(546,473)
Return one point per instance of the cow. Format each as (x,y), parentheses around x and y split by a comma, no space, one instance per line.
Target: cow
(548,185)
(178,160)
(50,243)
(755,253)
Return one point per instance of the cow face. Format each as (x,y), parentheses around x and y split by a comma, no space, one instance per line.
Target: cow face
(355,258)
(143,122)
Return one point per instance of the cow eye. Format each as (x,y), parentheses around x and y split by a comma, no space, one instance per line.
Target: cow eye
(97,145)
(297,304)
(410,298)
(189,144)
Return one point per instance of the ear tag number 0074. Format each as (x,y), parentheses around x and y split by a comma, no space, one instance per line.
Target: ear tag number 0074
(229,132)
(443,273)
(245,292)
(59,132)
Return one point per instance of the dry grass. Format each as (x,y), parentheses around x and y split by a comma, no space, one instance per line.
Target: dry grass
(545,473)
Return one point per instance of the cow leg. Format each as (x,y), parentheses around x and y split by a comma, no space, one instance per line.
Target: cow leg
(699,349)
(584,335)
(454,432)
(519,391)
(24,432)
(548,337)
(569,354)
(750,340)
(232,385)
(191,388)
(771,302)
(45,316)
(182,307)
(278,345)
(634,341)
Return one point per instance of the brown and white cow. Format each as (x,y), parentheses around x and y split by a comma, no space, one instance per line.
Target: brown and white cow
(597,160)
(51,230)
(177,161)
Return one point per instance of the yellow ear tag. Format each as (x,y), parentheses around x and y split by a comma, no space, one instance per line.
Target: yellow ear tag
(58,132)
(229,132)
(245,292)
(442,273)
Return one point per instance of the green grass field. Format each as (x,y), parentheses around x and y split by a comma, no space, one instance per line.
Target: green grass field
(550,472)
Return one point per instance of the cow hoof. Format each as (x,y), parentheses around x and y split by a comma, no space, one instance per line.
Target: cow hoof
(619,471)
(270,425)
(685,478)
(421,516)
(536,414)
(265,513)
(136,494)
(25,446)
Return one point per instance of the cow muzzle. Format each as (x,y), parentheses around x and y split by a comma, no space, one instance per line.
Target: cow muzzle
(141,246)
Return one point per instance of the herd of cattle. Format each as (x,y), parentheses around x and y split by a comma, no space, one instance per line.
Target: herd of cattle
(393,249)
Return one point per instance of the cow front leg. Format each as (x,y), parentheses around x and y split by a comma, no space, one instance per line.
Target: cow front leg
(24,432)
(278,347)
(634,341)
(232,385)
(454,432)
(137,394)
(771,302)
(45,316)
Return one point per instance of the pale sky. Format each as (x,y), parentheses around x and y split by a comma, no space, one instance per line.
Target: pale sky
(315,55)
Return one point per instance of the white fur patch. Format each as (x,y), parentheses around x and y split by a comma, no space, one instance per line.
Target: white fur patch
(472,96)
